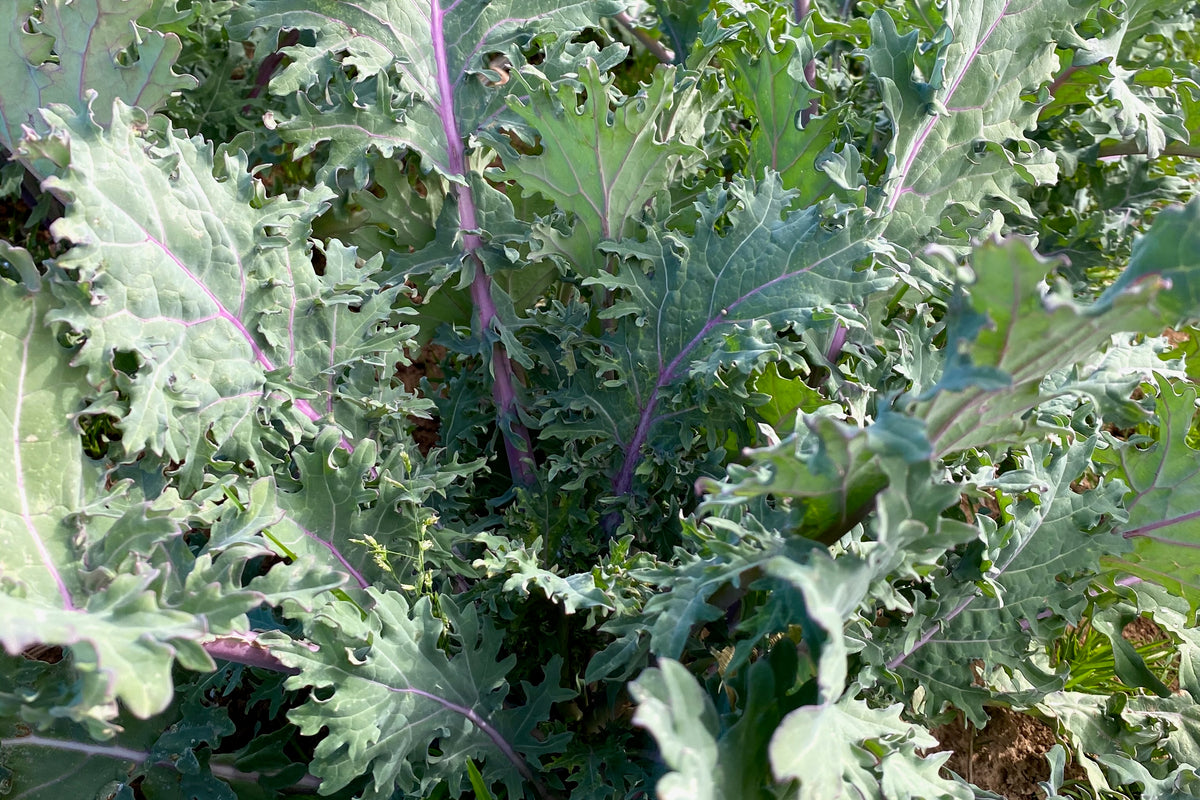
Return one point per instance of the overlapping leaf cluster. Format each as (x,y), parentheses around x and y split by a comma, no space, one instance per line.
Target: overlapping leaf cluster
(565,399)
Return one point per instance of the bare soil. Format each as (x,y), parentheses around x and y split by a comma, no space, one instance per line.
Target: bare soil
(1143,631)
(1006,757)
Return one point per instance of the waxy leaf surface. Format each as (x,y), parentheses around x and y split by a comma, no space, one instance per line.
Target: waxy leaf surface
(422,76)
(748,260)
(390,691)
(125,644)
(957,103)
(207,284)
(59,52)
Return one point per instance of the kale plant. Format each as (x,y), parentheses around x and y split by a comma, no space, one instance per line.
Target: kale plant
(527,399)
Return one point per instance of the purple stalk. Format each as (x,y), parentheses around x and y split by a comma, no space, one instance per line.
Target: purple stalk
(958,609)
(668,374)
(355,575)
(486,728)
(835,346)
(518,445)
(1132,148)
(266,70)
(260,356)
(633,452)
(1062,78)
(1144,530)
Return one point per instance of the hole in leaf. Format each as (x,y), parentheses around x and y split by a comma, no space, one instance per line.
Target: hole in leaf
(126,361)
(497,70)
(257,567)
(97,433)
(46,653)
(127,57)
(196,539)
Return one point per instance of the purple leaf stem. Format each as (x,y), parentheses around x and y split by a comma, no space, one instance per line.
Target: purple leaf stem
(486,728)
(518,445)
(302,405)
(341,559)
(1144,530)
(927,128)
(646,418)
(1062,78)
(266,70)
(810,76)
(632,453)
(308,783)
(927,635)
(802,9)
(1132,148)
(246,649)
(958,609)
